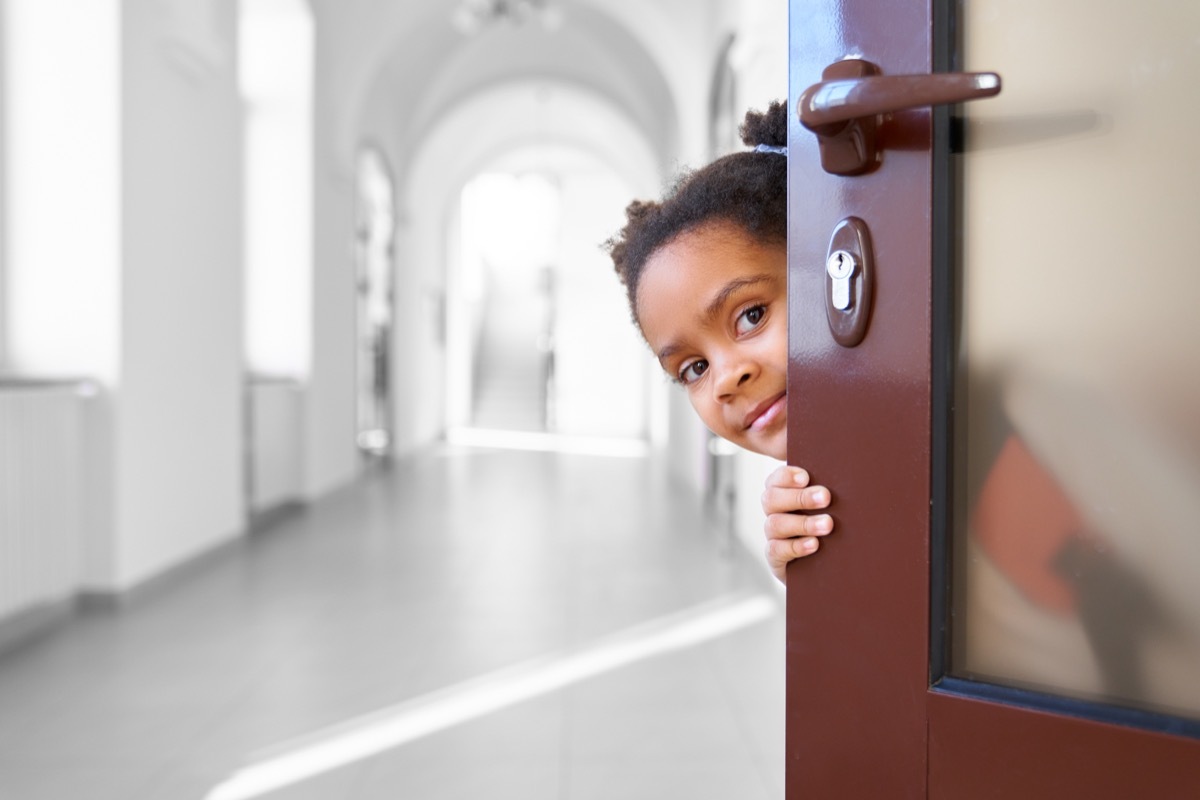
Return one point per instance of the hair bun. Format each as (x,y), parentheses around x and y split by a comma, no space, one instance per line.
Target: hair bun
(640,209)
(766,127)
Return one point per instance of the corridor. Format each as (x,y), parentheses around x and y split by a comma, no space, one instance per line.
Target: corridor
(460,584)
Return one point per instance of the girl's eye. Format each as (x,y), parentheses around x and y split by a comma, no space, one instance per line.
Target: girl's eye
(748,320)
(692,371)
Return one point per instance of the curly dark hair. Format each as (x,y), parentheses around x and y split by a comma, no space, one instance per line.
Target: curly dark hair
(748,189)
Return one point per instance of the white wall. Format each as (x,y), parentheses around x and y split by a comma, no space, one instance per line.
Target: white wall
(332,458)
(760,53)
(602,366)
(178,426)
(275,424)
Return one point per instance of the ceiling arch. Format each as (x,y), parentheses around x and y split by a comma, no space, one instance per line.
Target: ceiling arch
(582,120)
(431,68)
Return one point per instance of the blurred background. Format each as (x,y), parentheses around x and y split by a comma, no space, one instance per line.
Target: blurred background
(285,279)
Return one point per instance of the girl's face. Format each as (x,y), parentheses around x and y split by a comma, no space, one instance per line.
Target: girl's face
(712,304)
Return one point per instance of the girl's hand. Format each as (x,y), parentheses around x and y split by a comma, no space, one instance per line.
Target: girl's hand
(792,532)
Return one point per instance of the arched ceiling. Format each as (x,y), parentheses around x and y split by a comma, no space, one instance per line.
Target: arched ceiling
(584,123)
(431,68)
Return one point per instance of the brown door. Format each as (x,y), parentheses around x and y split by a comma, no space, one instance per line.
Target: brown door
(1004,396)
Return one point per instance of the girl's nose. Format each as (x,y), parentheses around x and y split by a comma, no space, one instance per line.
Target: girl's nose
(733,379)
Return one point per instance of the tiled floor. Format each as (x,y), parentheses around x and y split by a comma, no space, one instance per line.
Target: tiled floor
(448,567)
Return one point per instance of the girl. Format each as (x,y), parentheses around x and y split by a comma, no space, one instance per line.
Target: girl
(706,275)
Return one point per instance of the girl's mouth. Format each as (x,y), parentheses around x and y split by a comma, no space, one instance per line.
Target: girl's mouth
(766,412)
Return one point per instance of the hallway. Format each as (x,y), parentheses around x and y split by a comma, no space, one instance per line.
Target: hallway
(452,565)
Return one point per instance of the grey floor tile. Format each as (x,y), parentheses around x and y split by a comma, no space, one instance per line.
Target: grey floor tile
(61,780)
(452,565)
(633,778)
(451,777)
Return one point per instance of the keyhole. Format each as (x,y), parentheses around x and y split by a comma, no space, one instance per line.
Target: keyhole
(840,267)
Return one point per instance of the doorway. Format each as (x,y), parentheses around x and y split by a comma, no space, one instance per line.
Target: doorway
(374,247)
(539,340)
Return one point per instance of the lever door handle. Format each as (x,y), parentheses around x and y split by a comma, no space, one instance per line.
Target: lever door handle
(843,109)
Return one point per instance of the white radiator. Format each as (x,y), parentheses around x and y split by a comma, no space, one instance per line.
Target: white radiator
(41,493)
(274,432)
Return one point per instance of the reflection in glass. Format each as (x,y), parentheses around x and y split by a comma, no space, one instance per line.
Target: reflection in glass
(1078,432)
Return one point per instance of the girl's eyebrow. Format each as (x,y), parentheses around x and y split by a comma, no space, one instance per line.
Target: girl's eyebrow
(666,353)
(713,309)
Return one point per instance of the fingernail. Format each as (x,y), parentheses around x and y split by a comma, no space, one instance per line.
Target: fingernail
(823,523)
(821,497)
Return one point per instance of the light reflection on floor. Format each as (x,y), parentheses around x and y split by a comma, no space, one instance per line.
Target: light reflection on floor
(388,728)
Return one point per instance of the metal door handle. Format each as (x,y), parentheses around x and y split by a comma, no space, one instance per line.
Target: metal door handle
(843,109)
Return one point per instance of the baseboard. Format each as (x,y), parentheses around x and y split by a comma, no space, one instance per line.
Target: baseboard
(33,623)
(270,517)
(112,599)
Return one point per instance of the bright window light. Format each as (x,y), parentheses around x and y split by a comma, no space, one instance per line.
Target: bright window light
(62,160)
(275,61)
(513,220)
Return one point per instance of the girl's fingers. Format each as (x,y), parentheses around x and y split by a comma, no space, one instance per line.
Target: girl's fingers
(779,500)
(788,477)
(790,526)
(781,551)
(792,535)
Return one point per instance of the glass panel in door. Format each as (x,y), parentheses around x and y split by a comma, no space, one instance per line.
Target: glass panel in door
(1077,521)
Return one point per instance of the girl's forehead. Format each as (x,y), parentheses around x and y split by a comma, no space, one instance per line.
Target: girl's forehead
(715,253)
(684,281)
